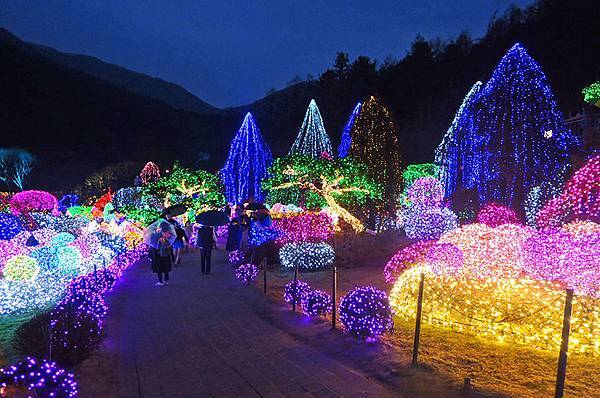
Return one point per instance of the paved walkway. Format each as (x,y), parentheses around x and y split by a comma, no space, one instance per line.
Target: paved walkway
(201,336)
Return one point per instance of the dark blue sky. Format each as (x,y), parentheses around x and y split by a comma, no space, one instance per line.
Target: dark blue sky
(231,52)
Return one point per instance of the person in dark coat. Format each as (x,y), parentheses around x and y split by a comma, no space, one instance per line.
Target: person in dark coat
(234,235)
(162,256)
(205,241)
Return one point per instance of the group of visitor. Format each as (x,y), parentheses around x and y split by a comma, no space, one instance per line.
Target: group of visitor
(168,239)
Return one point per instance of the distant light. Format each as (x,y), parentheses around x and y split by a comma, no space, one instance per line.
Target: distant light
(548,134)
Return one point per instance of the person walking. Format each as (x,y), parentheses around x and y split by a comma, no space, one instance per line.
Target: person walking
(205,241)
(162,255)
(234,235)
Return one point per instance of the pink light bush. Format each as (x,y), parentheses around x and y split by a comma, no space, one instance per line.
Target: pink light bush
(33,201)
(493,215)
(405,258)
(304,227)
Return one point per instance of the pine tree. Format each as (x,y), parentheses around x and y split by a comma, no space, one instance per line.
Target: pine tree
(346,137)
(247,164)
(450,154)
(312,138)
(521,137)
(375,143)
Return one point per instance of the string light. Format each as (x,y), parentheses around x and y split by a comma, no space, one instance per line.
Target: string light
(317,303)
(536,198)
(21,268)
(346,136)
(10,226)
(591,94)
(454,154)
(520,310)
(66,201)
(246,273)
(26,202)
(494,214)
(247,164)
(236,257)
(405,258)
(307,256)
(150,173)
(304,227)
(375,143)
(415,171)
(37,379)
(507,122)
(312,138)
(295,290)
(320,182)
(365,312)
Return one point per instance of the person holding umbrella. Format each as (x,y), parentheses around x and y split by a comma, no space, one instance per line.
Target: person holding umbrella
(206,237)
(160,236)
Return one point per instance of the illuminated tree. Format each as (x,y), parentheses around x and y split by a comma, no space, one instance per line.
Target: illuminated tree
(312,138)
(15,166)
(416,171)
(346,137)
(453,156)
(319,182)
(150,173)
(591,94)
(375,143)
(197,189)
(518,137)
(247,164)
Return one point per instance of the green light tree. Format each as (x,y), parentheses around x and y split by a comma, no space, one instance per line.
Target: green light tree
(340,184)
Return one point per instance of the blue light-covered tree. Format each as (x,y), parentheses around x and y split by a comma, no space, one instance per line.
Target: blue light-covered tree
(451,156)
(247,164)
(312,138)
(346,136)
(516,136)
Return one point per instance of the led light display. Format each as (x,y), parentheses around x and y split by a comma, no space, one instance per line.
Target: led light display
(307,256)
(365,312)
(312,138)
(346,136)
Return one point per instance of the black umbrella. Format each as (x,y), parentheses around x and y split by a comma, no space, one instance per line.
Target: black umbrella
(175,210)
(254,206)
(212,218)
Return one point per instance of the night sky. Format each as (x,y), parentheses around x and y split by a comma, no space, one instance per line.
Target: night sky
(231,52)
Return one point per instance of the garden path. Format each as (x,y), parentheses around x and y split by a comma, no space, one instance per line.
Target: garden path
(202,336)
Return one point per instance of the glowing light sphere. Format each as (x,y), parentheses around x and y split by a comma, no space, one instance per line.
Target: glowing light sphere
(259,236)
(406,257)
(297,290)
(304,227)
(520,310)
(493,215)
(591,94)
(62,239)
(10,226)
(428,223)
(68,259)
(32,201)
(37,378)
(425,192)
(365,312)
(46,257)
(317,303)
(246,273)
(21,268)
(307,256)
(236,257)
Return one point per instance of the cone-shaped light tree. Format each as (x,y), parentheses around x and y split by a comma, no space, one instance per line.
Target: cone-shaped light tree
(312,138)
(451,156)
(247,164)
(346,137)
(375,143)
(521,137)
(150,173)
